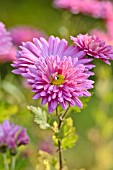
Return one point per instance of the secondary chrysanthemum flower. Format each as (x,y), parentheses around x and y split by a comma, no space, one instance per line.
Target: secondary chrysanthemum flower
(25,33)
(58,81)
(5,40)
(12,136)
(94,47)
(102,35)
(30,52)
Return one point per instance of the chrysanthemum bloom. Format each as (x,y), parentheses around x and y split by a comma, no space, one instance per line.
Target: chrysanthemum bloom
(12,136)
(25,33)
(108,38)
(5,40)
(101,34)
(30,52)
(58,81)
(94,47)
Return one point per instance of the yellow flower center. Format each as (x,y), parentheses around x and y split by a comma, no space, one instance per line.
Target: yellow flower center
(58,80)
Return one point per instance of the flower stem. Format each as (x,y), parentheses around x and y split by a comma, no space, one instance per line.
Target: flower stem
(61,119)
(5,161)
(13,162)
(60,155)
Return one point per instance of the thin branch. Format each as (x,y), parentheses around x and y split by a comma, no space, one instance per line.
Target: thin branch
(57,111)
(60,155)
(65,112)
(61,119)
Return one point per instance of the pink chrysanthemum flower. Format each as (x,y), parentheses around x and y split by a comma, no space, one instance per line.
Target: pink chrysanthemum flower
(25,33)
(108,38)
(94,47)
(5,40)
(12,136)
(30,52)
(102,35)
(58,81)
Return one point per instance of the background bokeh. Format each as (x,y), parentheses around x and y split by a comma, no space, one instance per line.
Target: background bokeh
(94,124)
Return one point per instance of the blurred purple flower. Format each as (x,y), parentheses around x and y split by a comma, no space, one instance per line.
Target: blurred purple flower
(94,47)
(31,52)
(25,33)
(12,136)
(5,40)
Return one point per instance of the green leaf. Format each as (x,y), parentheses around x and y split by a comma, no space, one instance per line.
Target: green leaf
(69,142)
(40,117)
(66,134)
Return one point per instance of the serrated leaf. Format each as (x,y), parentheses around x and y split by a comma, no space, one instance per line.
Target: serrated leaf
(66,135)
(40,117)
(69,142)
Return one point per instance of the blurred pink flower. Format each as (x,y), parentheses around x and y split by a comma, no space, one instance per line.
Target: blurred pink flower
(94,47)
(109,10)
(25,33)
(5,40)
(66,4)
(109,26)
(47,146)
(95,8)
(10,56)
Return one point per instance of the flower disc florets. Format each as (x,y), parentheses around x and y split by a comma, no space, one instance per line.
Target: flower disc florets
(59,81)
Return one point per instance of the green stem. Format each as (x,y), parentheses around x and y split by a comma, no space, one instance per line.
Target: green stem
(61,119)
(60,155)
(13,162)
(5,161)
